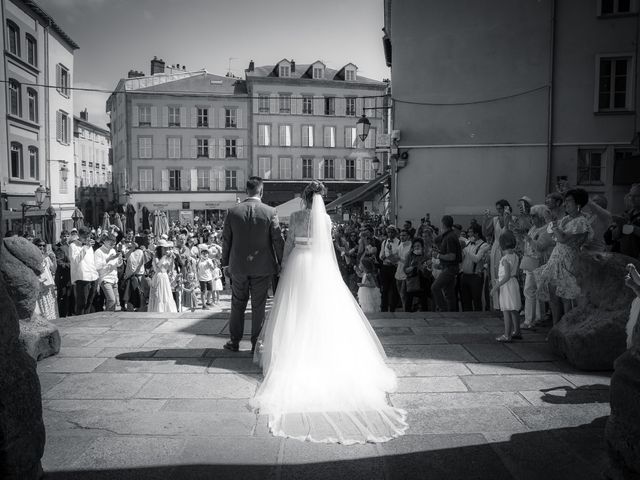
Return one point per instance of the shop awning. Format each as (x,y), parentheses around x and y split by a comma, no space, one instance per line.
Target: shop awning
(359,193)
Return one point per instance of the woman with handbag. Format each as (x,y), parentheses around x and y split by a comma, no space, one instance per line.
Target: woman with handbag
(419,278)
(537,248)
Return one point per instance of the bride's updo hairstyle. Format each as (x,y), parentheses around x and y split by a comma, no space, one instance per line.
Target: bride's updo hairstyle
(310,190)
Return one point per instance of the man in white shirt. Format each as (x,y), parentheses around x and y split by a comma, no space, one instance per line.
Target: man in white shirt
(402,252)
(389,259)
(107,262)
(83,271)
(472,266)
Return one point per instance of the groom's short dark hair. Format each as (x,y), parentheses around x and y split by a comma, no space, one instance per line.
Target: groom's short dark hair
(254,185)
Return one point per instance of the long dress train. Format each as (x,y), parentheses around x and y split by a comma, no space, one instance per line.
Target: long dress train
(325,377)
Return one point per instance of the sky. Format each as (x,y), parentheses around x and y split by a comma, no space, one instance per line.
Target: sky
(116,36)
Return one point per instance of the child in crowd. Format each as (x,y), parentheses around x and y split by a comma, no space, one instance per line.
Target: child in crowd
(178,286)
(217,281)
(205,269)
(189,292)
(368,291)
(507,285)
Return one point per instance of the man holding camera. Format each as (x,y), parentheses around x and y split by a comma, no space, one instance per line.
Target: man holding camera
(83,271)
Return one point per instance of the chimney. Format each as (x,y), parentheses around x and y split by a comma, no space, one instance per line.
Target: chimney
(252,66)
(157,66)
(184,68)
(134,74)
(84,115)
(293,66)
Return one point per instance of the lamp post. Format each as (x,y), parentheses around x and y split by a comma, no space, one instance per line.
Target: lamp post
(40,194)
(375,164)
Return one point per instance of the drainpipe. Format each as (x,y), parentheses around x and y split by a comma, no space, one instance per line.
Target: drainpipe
(552,52)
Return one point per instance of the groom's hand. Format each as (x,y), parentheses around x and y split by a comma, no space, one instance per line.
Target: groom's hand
(226,270)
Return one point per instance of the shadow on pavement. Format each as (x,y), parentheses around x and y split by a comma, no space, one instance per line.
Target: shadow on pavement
(562,454)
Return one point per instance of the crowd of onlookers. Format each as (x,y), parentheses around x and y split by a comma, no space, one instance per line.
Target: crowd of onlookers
(520,261)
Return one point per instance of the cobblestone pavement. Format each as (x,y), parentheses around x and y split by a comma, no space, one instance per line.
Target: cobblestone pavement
(155,396)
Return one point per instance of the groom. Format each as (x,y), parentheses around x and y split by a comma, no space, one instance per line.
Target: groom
(252,248)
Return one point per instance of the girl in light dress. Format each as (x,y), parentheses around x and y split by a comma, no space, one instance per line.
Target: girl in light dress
(189,292)
(217,281)
(368,291)
(508,289)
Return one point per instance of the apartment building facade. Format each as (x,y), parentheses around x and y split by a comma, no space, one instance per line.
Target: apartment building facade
(303,126)
(37,126)
(180,142)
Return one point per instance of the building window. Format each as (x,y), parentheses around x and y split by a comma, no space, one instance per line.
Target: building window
(203,179)
(230,148)
(203,147)
(307,105)
(285,135)
(144,116)
(350,169)
(285,168)
(174,147)
(32,96)
(590,167)
(307,135)
(307,168)
(15,98)
(62,127)
(145,148)
(263,104)
(83,178)
(34,163)
(350,137)
(174,180)
(174,116)
(614,83)
(625,168)
(615,7)
(285,103)
(264,167)
(14,38)
(230,118)
(350,75)
(17,170)
(329,171)
(329,105)
(203,117)
(318,72)
(264,135)
(368,169)
(350,110)
(32,51)
(62,80)
(330,137)
(285,71)
(145,179)
(230,180)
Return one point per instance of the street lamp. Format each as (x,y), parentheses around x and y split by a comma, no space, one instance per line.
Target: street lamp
(375,163)
(64,172)
(362,127)
(40,194)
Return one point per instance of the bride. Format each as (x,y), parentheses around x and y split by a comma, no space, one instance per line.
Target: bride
(325,377)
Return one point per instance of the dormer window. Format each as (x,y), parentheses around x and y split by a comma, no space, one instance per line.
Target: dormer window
(350,75)
(285,71)
(318,72)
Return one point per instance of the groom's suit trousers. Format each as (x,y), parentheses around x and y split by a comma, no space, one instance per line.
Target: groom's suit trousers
(241,287)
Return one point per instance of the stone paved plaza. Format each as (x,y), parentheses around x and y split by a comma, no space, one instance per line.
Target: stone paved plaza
(155,396)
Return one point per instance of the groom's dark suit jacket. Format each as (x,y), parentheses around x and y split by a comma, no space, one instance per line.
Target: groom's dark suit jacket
(252,242)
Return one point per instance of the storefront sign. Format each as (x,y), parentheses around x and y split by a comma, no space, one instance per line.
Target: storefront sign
(160,205)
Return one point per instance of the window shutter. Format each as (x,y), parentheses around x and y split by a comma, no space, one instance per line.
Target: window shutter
(165,180)
(58,76)
(341,166)
(282,135)
(165,116)
(194,179)
(194,148)
(370,141)
(359,105)
(221,153)
(347,137)
(59,126)
(211,117)
(154,116)
(135,122)
(256,102)
(212,148)
(275,168)
(358,169)
(273,103)
(297,168)
(319,168)
(318,105)
(184,180)
(327,137)
(194,117)
(221,179)
(240,179)
(261,139)
(341,106)
(213,181)
(240,147)
(239,119)
(183,117)
(312,134)
(221,115)
(296,105)
(305,136)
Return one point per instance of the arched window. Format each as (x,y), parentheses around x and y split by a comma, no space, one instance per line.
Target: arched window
(17,170)
(32,50)
(33,104)
(14,38)
(34,163)
(15,98)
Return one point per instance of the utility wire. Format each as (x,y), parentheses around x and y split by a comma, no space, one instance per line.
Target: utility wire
(475,102)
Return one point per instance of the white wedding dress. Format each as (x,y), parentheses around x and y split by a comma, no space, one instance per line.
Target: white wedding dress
(325,377)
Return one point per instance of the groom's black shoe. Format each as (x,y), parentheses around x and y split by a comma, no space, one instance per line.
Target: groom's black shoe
(230,345)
